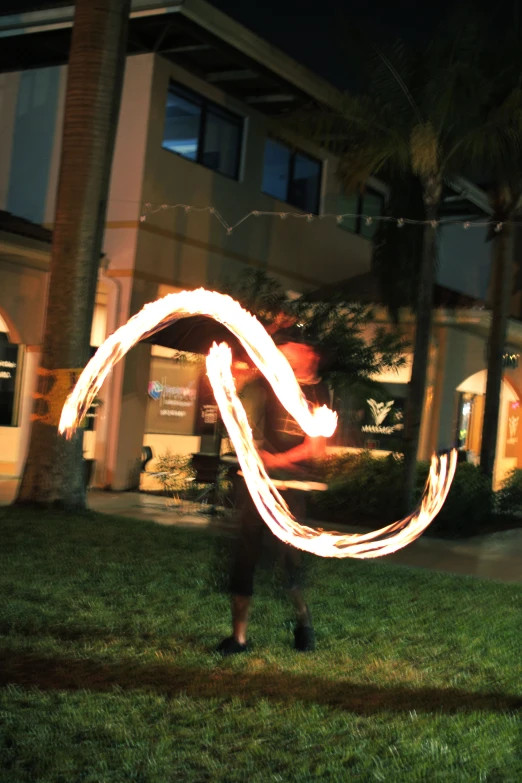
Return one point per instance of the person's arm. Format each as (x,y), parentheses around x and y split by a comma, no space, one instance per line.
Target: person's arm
(311,448)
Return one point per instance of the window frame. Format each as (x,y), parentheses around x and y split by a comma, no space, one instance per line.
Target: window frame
(294,151)
(368,190)
(19,380)
(360,209)
(205,104)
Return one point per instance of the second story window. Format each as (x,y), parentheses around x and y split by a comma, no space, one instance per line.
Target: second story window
(202,131)
(291,176)
(370,203)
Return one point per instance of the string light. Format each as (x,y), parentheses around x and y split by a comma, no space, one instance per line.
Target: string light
(151,209)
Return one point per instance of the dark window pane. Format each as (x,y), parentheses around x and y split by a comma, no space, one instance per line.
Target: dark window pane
(304,188)
(8,368)
(349,205)
(222,143)
(276,169)
(182,124)
(372,206)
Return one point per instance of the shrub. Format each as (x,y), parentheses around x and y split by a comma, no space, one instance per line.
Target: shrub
(364,489)
(468,506)
(360,488)
(509,497)
(178,479)
(178,474)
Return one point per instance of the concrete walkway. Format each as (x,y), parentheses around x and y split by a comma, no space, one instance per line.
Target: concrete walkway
(495,556)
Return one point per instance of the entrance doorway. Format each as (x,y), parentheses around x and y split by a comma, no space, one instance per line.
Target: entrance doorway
(470,413)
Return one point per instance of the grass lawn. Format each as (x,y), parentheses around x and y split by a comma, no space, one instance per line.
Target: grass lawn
(107,669)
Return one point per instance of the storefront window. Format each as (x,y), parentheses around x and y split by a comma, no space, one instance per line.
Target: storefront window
(464,421)
(172,397)
(9,369)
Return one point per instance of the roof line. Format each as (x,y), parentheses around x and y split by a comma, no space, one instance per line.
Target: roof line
(206,16)
(240,37)
(230,32)
(62,17)
(472,193)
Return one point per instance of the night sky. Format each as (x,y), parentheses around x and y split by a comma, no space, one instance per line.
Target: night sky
(316,33)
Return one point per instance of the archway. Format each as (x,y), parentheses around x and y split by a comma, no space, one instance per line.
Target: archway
(11,355)
(8,328)
(470,414)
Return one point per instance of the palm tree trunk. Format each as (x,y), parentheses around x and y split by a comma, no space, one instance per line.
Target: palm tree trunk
(502,283)
(53,474)
(419,368)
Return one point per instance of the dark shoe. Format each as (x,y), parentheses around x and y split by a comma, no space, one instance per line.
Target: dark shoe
(230,646)
(304,638)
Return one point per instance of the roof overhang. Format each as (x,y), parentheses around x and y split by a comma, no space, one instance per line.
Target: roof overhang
(477,321)
(24,251)
(191,33)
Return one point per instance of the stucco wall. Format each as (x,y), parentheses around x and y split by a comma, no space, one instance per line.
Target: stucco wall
(193,248)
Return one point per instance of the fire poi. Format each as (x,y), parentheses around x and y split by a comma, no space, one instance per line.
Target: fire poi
(270,361)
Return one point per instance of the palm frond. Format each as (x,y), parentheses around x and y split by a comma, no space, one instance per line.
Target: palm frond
(390,80)
(496,142)
(461,35)
(454,97)
(361,161)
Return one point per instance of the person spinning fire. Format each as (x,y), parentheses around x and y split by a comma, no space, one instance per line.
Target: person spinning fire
(288,454)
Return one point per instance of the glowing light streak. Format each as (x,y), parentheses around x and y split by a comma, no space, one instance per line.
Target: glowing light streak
(271,362)
(272,506)
(251,334)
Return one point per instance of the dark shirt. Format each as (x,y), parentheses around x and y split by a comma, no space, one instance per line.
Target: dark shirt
(273,428)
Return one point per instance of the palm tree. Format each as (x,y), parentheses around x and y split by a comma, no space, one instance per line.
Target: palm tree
(504,204)
(53,473)
(423,116)
(504,168)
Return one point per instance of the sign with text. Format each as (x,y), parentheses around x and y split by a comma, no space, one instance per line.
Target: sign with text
(172,397)
(513,435)
(208,411)
(8,370)
(369,423)
(382,424)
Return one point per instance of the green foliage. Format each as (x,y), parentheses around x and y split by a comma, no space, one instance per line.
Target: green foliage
(223,487)
(177,477)
(367,489)
(175,473)
(509,496)
(258,293)
(469,505)
(339,327)
(360,488)
(427,114)
(107,669)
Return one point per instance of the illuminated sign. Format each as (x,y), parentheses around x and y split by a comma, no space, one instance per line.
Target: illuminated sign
(513,434)
(510,357)
(172,397)
(208,412)
(380,411)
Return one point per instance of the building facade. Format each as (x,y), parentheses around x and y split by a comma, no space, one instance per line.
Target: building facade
(196,142)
